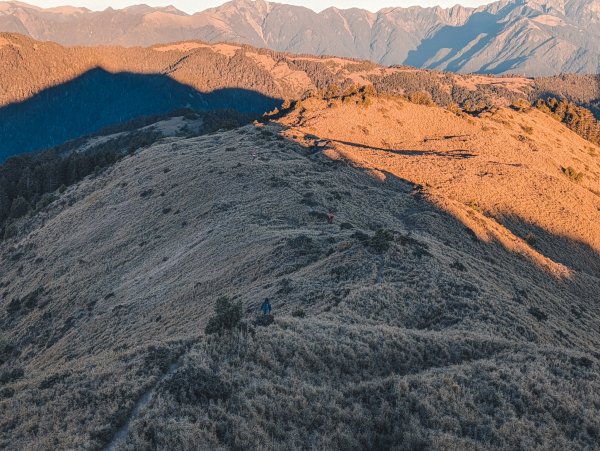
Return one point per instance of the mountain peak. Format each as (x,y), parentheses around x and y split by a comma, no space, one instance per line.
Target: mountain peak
(433,38)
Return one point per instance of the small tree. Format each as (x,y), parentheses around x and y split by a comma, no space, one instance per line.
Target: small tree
(228,315)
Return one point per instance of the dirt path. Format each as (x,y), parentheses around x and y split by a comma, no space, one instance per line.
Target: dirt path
(122,433)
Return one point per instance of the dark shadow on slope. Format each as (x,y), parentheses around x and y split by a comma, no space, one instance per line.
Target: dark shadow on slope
(457,154)
(480,28)
(570,252)
(98,98)
(513,64)
(574,254)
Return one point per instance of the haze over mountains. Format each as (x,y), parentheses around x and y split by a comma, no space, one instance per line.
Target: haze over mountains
(535,37)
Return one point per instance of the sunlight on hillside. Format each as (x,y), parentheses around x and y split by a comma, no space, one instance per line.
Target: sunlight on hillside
(463,164)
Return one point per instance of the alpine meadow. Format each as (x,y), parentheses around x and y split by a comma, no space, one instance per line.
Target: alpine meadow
(261,227)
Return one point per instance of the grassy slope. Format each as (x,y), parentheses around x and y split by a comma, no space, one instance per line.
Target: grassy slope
(506,167)
(443,340)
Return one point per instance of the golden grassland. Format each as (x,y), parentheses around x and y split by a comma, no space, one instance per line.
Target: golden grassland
(421,317)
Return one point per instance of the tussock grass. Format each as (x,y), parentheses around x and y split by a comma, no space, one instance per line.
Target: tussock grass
(393,327)
(353,387)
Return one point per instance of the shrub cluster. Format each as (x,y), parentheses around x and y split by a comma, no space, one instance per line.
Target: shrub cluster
(30,182)
(572,174)
(6,349)
(228,316)
(583,90)
(577,118)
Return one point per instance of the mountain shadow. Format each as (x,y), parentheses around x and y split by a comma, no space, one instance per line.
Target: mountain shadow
(573,253)
(98,98)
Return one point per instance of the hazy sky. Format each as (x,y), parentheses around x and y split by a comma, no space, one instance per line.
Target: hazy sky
(199,5)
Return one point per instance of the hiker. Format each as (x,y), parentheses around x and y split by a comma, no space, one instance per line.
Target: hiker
(330,217)
(266,307)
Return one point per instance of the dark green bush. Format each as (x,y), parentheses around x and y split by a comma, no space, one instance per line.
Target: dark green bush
(13,306)
(530,238)
(10,375)
(299,313)
(20,207)
(228,315)
(194,385)
(10,230)
(264,320)
(45,200)
(538,314)
(381,241)
(6,349)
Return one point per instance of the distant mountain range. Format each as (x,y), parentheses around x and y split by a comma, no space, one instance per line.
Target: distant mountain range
(531,37)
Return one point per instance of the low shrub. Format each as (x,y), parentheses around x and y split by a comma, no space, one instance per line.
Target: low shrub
(572,174)
(527,129)
(193,385)
(10,230)
(264,320)
(299,313)
(538,314)
(521,105)
(530,238)
(45,200)
(421,98)
(454,108)
(10,375)
(228,315)
(6,349)
(381,241)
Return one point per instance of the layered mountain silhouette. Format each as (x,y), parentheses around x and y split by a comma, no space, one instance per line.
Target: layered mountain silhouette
(532,37)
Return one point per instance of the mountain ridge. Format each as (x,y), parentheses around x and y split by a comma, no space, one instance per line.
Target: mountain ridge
(41,76)
(532,37)
(424,314)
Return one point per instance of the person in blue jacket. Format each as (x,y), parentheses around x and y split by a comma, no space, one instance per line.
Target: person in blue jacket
(266,307)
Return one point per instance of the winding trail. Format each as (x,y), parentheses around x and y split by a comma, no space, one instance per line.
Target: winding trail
(142,402)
